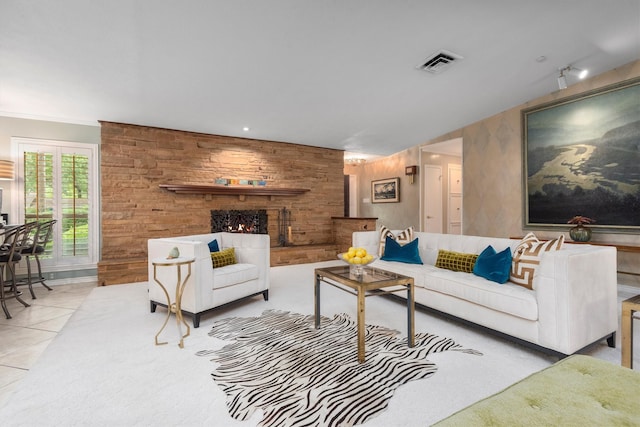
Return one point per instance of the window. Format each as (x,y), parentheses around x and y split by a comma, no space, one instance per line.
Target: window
(60,183)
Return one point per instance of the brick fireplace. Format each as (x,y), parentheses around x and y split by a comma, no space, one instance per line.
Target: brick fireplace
(136,160)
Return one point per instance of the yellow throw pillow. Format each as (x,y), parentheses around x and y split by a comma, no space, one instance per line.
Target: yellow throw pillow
(223,257)
(526,258)
(456,261)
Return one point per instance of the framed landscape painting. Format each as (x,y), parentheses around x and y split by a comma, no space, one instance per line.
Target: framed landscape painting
(385,190)
(581,156)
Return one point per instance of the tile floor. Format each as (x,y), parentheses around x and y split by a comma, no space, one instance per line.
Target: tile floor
(27,334)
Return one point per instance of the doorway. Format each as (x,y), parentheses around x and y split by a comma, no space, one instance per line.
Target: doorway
(441,204)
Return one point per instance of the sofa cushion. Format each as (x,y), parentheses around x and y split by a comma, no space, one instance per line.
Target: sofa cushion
(456,261)
(508,298)
(403,237)
(233,274)
(213,246)
(492,265)
(408,253)
(526,258)
(223,257)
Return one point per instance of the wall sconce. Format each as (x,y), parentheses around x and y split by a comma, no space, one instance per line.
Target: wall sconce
(411,171)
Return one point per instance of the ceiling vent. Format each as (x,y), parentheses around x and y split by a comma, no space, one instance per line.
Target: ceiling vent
(440,61)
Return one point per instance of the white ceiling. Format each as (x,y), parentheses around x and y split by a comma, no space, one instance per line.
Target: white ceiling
(339,74)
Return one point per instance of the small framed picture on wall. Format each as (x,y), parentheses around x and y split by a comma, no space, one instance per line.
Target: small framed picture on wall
(385,190)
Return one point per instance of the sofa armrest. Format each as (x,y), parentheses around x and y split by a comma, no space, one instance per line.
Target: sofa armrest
(367,240)
(576,289)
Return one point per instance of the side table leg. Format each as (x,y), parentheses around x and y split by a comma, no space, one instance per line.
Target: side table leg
(627,335)
(361,345)
(178,306)
(155,277)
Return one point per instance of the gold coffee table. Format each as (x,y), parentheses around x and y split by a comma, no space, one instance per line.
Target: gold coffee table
(174,307)
(373,279)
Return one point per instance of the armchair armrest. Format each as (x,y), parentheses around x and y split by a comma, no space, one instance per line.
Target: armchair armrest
(250,249)
(197,294)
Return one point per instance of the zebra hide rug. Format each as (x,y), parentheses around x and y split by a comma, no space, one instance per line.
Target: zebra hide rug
(302,376)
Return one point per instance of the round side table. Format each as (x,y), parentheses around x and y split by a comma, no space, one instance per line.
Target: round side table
(175,306)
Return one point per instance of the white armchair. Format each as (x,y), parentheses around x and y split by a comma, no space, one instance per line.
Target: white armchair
(208,288)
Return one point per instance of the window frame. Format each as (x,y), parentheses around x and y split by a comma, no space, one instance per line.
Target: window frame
(60,262)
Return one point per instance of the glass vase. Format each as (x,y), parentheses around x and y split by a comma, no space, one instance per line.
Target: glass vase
(580,233)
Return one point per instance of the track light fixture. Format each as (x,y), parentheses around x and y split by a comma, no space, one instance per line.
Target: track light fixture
(579,73)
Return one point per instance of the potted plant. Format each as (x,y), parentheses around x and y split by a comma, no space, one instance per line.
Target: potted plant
(580,233)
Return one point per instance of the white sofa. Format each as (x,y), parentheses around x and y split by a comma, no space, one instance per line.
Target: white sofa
(208,288)
(573,304)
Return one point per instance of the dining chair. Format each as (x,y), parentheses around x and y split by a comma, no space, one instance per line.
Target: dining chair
(16,238)
(36,247)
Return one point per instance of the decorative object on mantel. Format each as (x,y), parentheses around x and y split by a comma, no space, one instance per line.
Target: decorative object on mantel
(234,181)
(174,253)
(240,191)
(580,233)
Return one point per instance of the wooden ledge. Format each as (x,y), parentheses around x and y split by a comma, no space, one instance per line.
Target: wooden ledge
(222,190)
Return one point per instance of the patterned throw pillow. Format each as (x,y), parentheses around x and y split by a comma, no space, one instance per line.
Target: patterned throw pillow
(456,261)
(526,258)
(223,257)
(403,237)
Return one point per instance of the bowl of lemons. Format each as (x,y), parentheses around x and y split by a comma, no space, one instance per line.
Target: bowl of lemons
(357,258)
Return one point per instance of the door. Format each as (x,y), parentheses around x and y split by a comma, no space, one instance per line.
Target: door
(433,199)
(455,199)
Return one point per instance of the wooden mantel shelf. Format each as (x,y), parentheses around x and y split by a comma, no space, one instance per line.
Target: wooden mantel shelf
(241,191)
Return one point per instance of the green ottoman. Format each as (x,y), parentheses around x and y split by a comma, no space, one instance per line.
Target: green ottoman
(576,391)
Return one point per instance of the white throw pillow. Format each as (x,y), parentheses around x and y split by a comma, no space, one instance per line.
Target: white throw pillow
(526,258)
(403,237)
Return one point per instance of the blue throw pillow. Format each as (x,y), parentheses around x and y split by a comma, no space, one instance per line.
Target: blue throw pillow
(213,246)
(394,251)
(493,266)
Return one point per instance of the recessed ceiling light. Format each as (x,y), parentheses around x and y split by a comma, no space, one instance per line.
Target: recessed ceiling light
(541,58)
(246,128)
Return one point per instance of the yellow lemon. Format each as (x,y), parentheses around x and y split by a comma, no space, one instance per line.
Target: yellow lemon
(368,258)
(351,252)
(345,257)
(356,260)
(361,253)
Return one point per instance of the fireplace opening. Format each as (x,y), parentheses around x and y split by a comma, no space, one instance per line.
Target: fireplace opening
(240,221)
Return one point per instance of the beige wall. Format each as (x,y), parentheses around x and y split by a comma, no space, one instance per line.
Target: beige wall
(492,166)
(393,215)
(15,127)
(492,175)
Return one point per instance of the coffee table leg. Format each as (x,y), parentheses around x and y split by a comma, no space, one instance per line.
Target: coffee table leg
(361,349)
(316,302)
(411,339)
